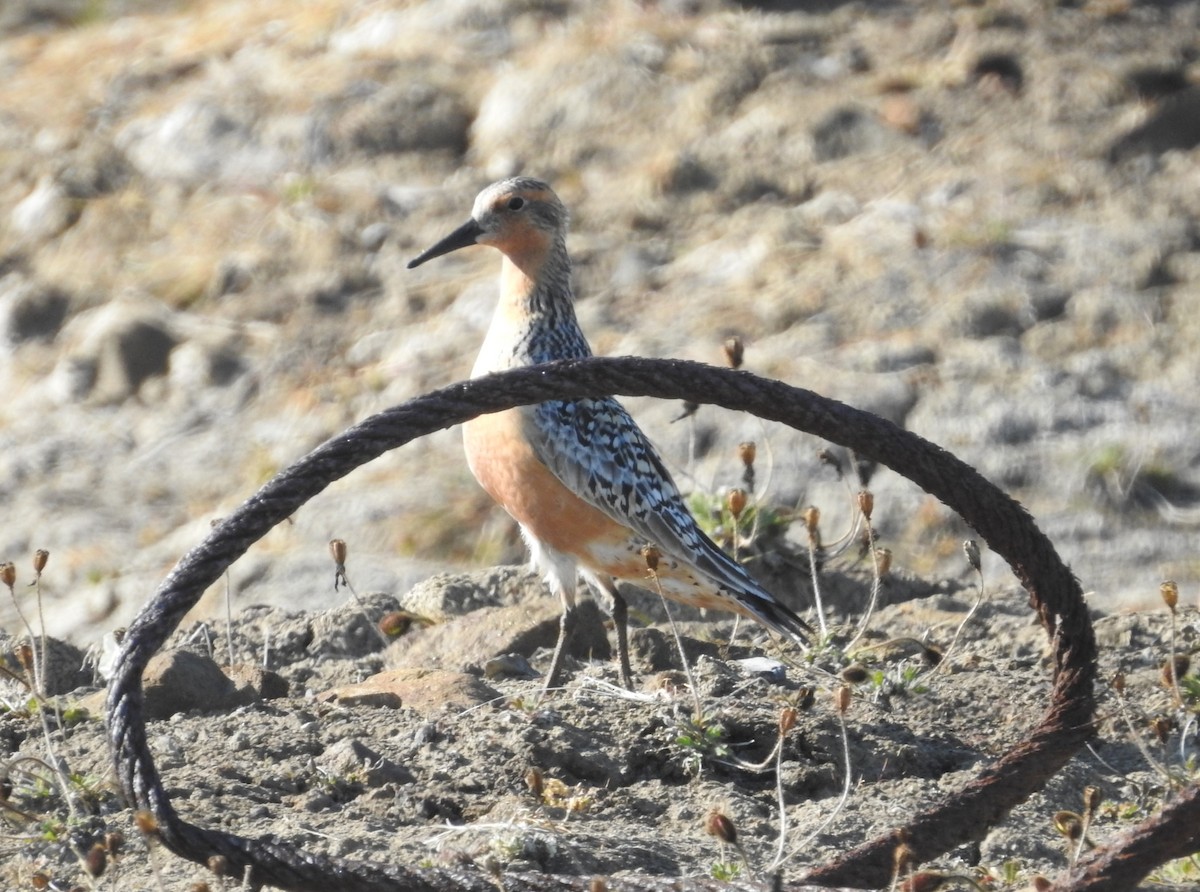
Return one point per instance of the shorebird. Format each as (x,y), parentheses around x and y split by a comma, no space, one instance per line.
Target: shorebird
(580,478)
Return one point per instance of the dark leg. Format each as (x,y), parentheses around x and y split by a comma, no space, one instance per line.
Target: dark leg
(619,611)
(566,628)
(620,615)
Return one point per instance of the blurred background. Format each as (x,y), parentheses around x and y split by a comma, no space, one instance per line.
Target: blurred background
(979,219)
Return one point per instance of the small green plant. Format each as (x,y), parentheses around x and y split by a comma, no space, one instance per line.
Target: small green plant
(1182,872)
(726,871)
(755,521)
(1189,685)
(52,829)
(903,680)
(701,739)
(1010,872)
(298,188)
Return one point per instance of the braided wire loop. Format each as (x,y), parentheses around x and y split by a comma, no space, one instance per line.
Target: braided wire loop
(963,816)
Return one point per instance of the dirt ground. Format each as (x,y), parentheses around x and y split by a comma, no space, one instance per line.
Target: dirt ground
(596,780)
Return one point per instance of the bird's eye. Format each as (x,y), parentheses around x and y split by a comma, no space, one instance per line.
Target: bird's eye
(516,203)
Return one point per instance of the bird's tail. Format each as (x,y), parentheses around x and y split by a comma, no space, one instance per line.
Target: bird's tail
(777,616)
(754,599)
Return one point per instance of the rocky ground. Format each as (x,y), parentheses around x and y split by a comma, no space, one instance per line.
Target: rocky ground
(439,750)
(977,219)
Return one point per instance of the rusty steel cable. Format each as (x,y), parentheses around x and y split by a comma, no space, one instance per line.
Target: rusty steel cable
(963,816)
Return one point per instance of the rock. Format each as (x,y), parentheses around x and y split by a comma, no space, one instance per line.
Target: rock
(848,131)
(44,212)
(256,683)
(352,758)
(564,95)
(999,71)
(18,15)
(30,310)
(428,691)
(447,595)
(195,366)
(653,650)
(468,642)
(1174,125)
(351,630)
(62,669)
(96,168)
(199,141)
(408,116)
(181,681)
(1152,82)
(829,207)
(131,353)
(122,345)
(509,666)
(989,316)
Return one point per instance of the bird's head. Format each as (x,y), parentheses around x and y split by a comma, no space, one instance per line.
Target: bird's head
(521,217)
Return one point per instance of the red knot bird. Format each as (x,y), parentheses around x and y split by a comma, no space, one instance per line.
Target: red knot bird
(579,476)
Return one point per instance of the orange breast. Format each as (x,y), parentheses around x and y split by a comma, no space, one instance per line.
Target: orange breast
(504,463)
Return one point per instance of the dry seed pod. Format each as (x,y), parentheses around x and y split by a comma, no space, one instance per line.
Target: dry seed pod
(598,885)
(812,518)
(40,557)
(806,696)
(923,881)
(866,502)
(735,501)
(219,865)
(651,554)
(884,558)
(719,825)
(787,719)
(1175,669)
(855,673)
(24,655)
(1170,594)
(971,550)
(1118,683)
(40,880)
(395,623)
(1041,884)
(1068,824)
(146,822)
(841,699)
(735,350)
(8,574)
(1092,797)
(95,860)
(1161,728)
(337,550)
(535,782)
(747,452)
(114,842)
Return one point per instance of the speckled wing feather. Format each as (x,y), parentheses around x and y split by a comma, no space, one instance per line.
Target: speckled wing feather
(597,450)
